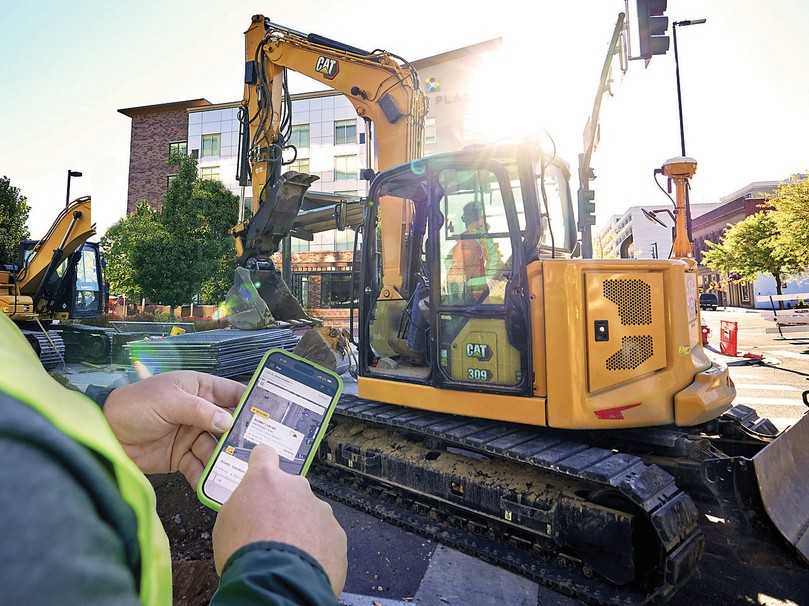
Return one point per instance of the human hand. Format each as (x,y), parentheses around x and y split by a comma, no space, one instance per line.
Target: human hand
(272,505)
(165,422)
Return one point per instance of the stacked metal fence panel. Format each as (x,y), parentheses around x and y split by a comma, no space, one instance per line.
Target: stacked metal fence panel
(50,357)
(223,352)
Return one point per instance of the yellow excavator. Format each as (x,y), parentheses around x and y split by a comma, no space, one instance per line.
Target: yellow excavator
(555,415)
(58,277)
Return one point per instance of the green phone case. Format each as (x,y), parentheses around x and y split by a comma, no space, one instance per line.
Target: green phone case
(216,506)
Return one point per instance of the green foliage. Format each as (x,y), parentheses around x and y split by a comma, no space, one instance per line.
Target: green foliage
(791,213)
(13,219)
(186,251)
(117,246)
(751,248)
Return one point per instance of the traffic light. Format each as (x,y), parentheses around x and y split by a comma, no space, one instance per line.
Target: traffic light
(587,208)
(652,27)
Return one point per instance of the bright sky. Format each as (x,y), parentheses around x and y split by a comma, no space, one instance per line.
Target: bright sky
(68,66)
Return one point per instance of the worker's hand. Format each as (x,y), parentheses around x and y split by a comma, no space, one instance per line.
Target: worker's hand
(272,505)
(165,422)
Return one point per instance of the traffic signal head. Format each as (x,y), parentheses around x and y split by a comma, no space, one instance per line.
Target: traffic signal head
(587,208)
(652,28)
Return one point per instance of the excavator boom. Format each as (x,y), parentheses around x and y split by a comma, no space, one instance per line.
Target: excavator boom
(384,91)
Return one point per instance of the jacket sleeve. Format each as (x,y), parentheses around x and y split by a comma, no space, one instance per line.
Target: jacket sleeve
(273,574)
(56,549)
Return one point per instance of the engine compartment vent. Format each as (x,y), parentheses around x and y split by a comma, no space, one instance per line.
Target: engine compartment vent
(635,350)
(633,298)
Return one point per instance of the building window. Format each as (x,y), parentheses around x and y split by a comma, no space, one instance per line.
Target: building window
(654,250)
(169,180)
(299,136)
(211,145)
(299,245)
(301,165)
(347,192)
(345,131)
(344,240)
(430,132)
(335,289)
(209,172)
(177,149)
(323,241)
(345,167)
(300,287)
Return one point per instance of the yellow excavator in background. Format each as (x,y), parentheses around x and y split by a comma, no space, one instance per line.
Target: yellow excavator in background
(554,415)
(58,277)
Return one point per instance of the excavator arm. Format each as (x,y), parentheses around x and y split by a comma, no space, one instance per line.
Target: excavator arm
(385,92)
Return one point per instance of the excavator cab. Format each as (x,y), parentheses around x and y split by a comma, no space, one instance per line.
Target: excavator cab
(454,311)
(75,288)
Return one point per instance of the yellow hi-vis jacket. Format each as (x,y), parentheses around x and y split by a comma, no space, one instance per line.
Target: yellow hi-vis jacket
(23,378)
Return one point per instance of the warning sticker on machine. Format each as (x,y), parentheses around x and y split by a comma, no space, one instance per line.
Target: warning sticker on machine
(691,296)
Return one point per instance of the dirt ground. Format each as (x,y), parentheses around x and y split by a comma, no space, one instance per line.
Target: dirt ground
(189,525)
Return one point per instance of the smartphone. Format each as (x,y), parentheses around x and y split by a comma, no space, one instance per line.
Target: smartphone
(287,405)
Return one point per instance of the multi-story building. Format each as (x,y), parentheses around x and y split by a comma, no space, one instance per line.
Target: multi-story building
(641,232)
(157,132)
(711,226)
(330,141)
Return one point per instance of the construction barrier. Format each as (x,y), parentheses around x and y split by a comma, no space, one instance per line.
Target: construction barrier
(728,332)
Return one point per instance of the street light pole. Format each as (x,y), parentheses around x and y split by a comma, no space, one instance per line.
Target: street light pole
(70,173)
(687,206)
(677,71)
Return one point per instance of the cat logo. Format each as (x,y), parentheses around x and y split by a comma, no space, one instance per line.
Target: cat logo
(478,351)
(327,66)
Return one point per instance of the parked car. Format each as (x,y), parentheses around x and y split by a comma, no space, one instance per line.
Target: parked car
(708,300)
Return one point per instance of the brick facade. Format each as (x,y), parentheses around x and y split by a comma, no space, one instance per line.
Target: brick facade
(153,128)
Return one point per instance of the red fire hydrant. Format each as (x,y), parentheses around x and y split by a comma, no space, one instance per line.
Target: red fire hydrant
(706,332)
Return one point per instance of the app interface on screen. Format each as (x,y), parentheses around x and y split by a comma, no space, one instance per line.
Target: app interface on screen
(285,411)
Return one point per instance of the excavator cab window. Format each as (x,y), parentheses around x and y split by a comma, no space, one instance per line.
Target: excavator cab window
(558,231)
(395,297)
(87,295)
(479,240)
(451,320)
(475,244)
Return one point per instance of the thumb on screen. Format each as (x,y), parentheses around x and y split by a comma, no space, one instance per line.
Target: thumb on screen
(264,456)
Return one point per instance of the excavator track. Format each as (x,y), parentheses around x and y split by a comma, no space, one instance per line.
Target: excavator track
(603,526)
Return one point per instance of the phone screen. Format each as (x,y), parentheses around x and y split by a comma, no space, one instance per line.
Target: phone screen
(285,409)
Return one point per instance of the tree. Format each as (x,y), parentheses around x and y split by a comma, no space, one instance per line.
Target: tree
(117,246)
(750,248)
(791,212)
(14,211)
(183,251)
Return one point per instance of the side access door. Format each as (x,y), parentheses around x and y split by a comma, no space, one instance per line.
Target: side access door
(478,295)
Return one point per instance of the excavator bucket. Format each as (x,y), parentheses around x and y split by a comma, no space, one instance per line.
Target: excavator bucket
(781,470)
(260,241)
(275,292)
(244,308)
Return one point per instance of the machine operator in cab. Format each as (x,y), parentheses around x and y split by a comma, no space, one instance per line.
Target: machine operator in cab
(78,521)
(474,260)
